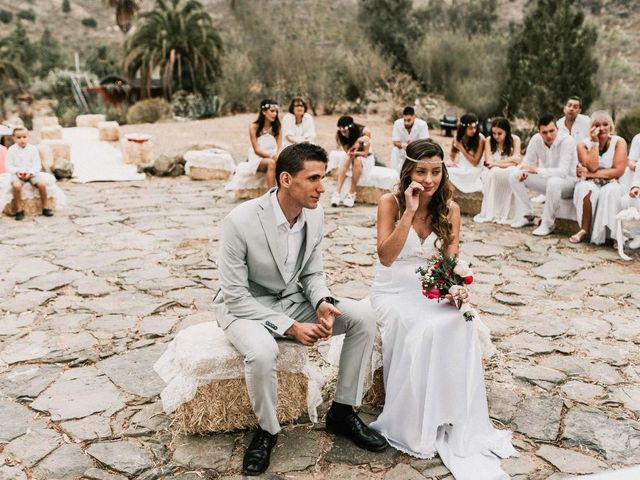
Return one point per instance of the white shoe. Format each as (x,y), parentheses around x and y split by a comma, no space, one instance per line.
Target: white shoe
(523,222)
(539,199)
(350,200)
(335,199)
(635,243)
(542,231)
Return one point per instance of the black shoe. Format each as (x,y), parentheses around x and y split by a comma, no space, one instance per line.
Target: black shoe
(19,215)
(352,427)
(256,458)
(47,212)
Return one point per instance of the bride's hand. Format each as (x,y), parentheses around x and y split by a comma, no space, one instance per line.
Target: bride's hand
(461,293)
(412,196)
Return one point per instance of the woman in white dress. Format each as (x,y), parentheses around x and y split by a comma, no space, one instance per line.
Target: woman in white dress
(602,161)
(266,141)
(501,156)
(298,125)
(465,165)
(434,380)
(355,160)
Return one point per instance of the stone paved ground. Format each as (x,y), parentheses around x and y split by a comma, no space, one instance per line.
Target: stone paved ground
(90,297)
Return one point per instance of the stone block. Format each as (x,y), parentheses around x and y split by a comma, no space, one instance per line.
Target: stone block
(90,120)
(109,131)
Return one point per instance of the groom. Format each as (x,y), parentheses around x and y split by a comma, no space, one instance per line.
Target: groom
(272,286)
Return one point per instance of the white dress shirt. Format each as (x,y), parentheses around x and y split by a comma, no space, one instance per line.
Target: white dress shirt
(25,159)
(419,130)
(579,130)
(290,239)
(558,160)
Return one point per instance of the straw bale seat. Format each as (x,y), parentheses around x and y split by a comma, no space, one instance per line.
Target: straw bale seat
(206,390)
(60,149)
(51,133)
(137,148)
(39,123)
(109,131)
(31,204)
(373,183)
(46,156)
(469,203)
(90,120)
(209,164)
(246,185)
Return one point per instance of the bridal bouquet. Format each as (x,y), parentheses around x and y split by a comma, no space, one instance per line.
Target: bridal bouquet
(444,275)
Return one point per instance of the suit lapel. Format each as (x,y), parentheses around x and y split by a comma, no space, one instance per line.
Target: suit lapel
(309,237)
(268,222)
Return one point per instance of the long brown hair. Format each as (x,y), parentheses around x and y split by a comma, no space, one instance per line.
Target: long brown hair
(438,207)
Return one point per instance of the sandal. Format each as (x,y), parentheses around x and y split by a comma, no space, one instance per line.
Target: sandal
(578,237)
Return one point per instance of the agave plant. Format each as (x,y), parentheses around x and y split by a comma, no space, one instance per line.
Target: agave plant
(178,42)
(125,11)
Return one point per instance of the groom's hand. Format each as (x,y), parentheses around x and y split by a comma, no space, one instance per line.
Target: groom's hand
(306,333)
(326,315)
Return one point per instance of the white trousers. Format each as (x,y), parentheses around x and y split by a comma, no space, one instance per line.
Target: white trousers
(554,189)
(397,158)
(605,205)
(260,351)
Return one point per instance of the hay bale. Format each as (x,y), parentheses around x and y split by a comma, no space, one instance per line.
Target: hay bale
(109,131)
(249,193)
(30,206)
(39,123)
(51,133)
(60,149)
(205,173)
(90,120)
(469,203)
(375,394)
(137,149)
(369,195)
(564,226)
(224,406)
(46,156)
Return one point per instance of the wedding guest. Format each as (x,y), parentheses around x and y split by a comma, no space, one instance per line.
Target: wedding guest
(632,162)
(465,166)
(23,165)
(406,130)
(548,167)
(501,156)
(266,141)
(355,141)
(603,158)
(298,125)
(632,199)
(3,158)
(435,397)
(574,123)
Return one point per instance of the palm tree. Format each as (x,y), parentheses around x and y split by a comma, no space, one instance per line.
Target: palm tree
(125,11)
(176,38)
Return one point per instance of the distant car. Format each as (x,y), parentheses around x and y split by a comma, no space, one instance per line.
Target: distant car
(448,123)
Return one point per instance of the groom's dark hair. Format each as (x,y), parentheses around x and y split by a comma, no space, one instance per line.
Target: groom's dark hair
(292,158)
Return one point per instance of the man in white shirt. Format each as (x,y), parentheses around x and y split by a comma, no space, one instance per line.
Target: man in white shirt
(549,167)
(406,130)
(23,165)
(574,123)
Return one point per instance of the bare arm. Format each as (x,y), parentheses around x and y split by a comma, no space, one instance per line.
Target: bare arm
(474,158)
(454,220)
(391,235)
(619,163)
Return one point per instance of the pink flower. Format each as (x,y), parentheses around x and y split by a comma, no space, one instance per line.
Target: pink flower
(432,294)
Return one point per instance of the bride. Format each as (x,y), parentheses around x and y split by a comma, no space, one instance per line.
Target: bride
(434,380)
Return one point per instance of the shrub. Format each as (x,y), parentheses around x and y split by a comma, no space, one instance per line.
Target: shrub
(56,86)
(66,6)
(149,110)
(195,105)
(68,116)
(28,15)
(629,125)
(117,114)
(5,16)
(89,22)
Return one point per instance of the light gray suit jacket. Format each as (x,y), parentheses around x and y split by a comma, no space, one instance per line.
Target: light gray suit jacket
(251,266)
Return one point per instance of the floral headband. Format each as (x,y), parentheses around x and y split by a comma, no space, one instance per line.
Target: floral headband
(345,126)
(472,124)
(267,106)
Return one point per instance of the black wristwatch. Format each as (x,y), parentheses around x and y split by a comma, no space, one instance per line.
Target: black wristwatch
(330,300)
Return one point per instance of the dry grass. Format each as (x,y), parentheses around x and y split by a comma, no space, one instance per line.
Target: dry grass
(375,395)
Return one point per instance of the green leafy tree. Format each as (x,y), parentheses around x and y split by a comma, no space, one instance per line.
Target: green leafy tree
(472,17)
(13,75)
(390,26)
(19,48)
(125,12)
(551,57)
(66,6)
(178,38)
(50,53)
(103,60)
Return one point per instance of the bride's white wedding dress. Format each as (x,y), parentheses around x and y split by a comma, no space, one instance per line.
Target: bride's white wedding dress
(434,380)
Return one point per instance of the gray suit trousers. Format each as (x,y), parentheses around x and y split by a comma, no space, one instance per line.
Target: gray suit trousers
(260,351)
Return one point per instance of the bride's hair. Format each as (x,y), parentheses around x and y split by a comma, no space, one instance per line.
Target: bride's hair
(438,207)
